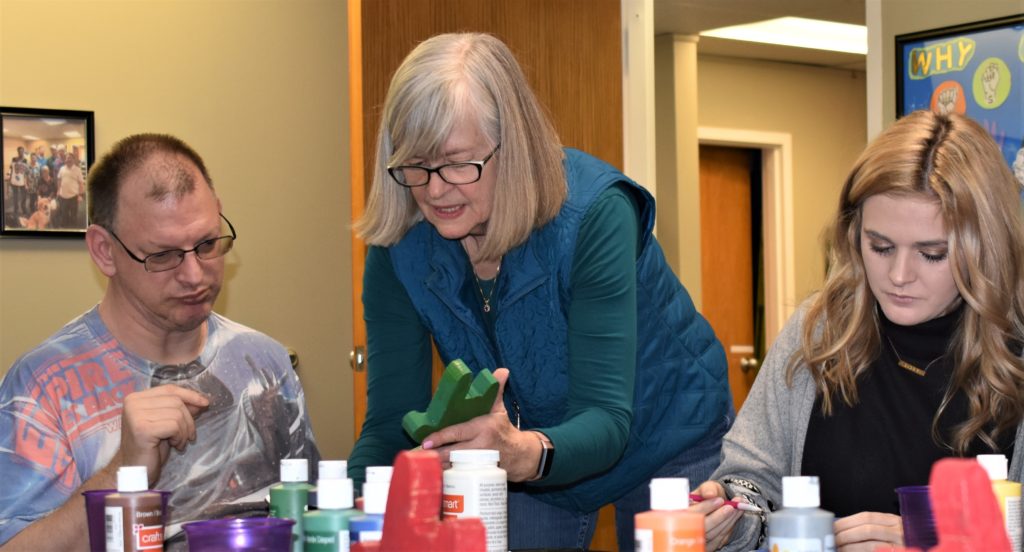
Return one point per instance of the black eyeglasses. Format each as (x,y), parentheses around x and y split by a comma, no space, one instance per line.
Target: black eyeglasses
(172,258)
(467,172)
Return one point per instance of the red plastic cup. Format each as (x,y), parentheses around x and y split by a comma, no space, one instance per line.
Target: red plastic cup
(916,515)
(258,534)
(94,516)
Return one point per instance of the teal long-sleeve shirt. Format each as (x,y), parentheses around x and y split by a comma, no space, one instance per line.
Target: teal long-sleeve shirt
(602,350)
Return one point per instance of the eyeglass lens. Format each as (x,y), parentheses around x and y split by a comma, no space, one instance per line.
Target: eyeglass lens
(209,249)
(456,173)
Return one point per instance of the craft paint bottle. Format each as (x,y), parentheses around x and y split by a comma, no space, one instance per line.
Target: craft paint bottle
(476,487)
(800,524)
(1008,494)
(667,526)
(326,529)
(290,497)
(332,469)
(327,469)
(134,516)
(370,526)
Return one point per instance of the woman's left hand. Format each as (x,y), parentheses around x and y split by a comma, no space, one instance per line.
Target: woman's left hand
(519,450)
(868,531)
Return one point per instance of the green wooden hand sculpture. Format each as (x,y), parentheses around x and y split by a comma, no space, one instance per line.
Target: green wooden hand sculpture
(459,398)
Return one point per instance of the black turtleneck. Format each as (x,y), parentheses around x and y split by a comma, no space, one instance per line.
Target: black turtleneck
(862,453)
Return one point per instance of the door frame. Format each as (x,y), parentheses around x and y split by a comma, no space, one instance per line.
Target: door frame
(777,212)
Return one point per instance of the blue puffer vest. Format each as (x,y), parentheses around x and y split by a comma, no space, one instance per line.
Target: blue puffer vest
(681,387)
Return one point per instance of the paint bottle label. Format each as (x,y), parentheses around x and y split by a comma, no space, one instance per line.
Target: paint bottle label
(113,520)
(476,487)
(644,540)
(1010,505)
(145,530)
(327,542)
(779,544)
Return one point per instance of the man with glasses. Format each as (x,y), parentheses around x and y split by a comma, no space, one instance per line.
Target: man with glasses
(151,375)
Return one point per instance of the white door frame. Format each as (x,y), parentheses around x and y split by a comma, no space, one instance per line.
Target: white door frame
(777,216)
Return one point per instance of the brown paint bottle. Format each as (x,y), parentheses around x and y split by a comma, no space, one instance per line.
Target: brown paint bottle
(133,516)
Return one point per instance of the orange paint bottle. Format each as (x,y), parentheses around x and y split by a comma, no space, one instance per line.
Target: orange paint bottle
(668,526)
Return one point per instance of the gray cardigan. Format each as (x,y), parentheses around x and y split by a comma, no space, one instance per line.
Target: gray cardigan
(767,440)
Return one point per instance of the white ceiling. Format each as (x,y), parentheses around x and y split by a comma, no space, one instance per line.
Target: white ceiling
(689,17)
(52,130)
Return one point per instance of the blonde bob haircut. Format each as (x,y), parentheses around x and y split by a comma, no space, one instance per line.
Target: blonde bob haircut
(951,160)
(445,80)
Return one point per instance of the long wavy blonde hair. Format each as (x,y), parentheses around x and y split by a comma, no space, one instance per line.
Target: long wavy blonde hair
(953,161)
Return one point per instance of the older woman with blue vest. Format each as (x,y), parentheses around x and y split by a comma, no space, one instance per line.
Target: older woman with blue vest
(512,253)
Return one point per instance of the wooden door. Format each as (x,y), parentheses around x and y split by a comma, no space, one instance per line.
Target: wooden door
(728,257)
(570,51)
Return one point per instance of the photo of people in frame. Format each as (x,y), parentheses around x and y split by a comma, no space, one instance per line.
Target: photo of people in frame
(46,159)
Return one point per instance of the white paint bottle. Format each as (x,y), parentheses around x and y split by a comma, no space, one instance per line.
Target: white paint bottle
(476,487)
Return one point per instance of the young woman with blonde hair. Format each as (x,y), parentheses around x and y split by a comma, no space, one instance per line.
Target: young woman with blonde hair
(912,350)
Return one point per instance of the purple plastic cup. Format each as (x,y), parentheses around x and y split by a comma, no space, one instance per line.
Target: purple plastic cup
(916,515)
(94,516)
(264,534)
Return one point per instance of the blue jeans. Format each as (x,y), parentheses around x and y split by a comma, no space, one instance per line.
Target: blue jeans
(536,524)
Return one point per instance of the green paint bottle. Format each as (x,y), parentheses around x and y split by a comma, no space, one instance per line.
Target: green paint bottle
(326,528)
(288,499)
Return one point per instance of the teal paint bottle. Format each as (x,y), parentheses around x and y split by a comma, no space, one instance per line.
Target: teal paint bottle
(290,497)
(326,528)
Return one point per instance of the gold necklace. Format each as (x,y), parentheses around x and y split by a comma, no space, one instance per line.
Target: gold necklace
(480,288)
(908,366)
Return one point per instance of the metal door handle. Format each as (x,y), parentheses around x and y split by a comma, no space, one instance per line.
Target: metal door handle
(357,358)
(748,364)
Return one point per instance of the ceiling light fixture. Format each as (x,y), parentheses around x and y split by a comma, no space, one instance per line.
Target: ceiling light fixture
(799,32)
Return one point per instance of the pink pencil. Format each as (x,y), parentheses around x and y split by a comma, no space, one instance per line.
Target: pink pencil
(745,506)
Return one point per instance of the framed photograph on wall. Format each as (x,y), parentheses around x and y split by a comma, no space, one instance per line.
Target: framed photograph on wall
(47,154)
(974,68)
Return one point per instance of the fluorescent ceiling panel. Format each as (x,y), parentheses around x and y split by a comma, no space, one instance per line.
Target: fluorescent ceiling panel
(799,32)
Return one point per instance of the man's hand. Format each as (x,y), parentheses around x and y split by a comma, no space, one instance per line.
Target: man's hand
(155,420)
(152,421)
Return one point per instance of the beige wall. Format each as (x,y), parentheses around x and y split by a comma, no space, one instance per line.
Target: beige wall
(825,112)
(908,16)
(259,88)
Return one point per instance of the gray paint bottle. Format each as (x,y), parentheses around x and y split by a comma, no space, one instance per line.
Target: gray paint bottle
(801,526)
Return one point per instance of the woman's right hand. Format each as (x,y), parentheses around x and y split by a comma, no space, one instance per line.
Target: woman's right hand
(868,531)
(719,518)
(519,450)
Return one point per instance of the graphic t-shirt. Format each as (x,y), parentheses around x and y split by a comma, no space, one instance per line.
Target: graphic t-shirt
(60,421)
